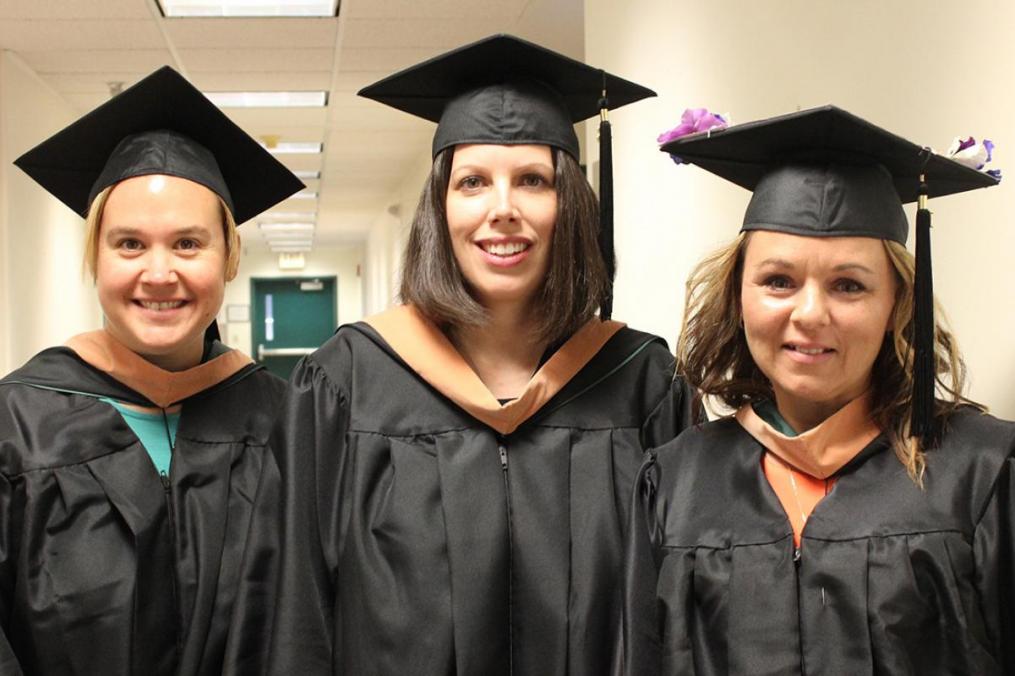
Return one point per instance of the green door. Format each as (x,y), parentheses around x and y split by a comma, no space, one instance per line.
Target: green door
(292,317)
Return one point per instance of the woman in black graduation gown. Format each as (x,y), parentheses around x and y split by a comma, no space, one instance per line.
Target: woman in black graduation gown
(130,456)
(843,521)
(456,471)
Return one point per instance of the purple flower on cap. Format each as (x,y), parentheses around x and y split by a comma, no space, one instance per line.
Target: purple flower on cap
(972,154)
(693,121)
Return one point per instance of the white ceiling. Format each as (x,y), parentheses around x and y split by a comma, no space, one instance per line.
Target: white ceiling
(78,46)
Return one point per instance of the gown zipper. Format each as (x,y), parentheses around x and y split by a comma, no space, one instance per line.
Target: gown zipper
(503,452)
(167,484)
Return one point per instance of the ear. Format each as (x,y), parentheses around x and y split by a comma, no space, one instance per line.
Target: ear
(233,259)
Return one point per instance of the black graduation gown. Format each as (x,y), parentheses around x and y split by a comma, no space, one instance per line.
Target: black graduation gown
(418,540)
(103,569)
(890,579)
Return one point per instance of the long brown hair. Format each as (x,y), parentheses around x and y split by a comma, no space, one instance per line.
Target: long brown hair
(575,280)
(713,356)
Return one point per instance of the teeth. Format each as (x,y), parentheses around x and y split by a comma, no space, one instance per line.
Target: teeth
(815,350)
(163,305)
(505,249)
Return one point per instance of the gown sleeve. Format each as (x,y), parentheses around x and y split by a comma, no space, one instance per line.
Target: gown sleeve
(676,411)
(994,549)
(284,618)
(8,546)
(639,626)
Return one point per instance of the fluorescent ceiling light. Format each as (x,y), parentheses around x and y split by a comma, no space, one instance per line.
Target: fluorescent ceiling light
(304,195)
(306,173)
(291,249)
(291,216)
(288,236)
(286,227)
(268,99)
(233,8)
(294,148)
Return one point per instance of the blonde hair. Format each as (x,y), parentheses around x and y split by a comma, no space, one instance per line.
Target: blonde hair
(94,220)
(713,356)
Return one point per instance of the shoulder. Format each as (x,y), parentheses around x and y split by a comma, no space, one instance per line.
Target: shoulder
(975,449)
(708,445)
(353,348)
(31,440)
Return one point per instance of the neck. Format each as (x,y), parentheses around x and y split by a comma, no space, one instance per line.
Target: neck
(504,352)
(805,415)
(179,359)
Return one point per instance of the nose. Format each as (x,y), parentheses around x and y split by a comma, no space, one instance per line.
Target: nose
(503,209)
(811,308)
(160,268)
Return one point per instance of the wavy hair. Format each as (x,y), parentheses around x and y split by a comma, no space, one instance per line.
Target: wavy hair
(712,352)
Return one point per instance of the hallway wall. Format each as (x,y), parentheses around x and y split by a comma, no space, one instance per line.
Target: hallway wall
(44,299)
(927,71)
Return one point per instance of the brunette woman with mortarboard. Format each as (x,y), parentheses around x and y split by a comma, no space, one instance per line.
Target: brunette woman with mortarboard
(456,470)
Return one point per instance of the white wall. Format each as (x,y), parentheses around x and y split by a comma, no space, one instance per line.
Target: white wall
(43,297)
(345,263)
(927,71)
(388,234)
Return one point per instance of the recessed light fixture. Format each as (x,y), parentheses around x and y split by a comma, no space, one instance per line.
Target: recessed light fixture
(236,8)
(312,99)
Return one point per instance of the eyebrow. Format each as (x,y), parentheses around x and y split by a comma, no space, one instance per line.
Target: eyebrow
(783,264)
(133,231)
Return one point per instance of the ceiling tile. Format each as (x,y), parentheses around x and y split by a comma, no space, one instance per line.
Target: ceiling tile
(61,34)
(301,80)
(96,60)
(427,33)
(442,9)
(74,9)
(254,60)
(263,33)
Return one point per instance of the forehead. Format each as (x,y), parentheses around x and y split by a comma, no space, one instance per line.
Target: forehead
(490,154)
(767,247)
(159,197)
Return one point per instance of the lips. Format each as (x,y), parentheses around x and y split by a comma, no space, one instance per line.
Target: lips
(160,305)
(808,354)
(807,349)
(504,253)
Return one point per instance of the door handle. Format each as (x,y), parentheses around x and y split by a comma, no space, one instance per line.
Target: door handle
(263,352)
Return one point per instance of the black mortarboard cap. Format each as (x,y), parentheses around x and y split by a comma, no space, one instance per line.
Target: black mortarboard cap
(161,125)
(504,90)
(508,91)
(825,172)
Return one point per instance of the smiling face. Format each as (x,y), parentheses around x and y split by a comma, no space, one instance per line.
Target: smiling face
(161,267)
(501,211)
(815,313)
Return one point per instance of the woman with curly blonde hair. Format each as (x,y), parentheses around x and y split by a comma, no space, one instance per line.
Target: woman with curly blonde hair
(845,520)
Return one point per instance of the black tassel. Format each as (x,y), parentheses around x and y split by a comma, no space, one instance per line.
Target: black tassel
(606,210)
(922,423)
